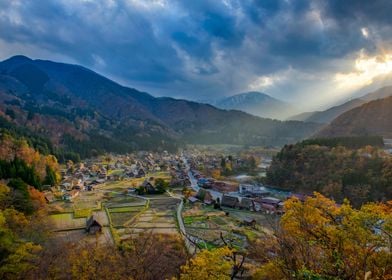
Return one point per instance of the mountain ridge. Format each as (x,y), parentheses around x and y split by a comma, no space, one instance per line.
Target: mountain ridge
(331,113)
(74,106)
(372,118)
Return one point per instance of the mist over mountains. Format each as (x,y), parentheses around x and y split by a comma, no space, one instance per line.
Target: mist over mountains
(330,114)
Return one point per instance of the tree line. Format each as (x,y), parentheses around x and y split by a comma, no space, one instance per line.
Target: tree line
(359,174)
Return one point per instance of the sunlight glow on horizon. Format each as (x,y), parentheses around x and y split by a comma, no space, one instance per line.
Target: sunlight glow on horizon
(335,87)
(367,68)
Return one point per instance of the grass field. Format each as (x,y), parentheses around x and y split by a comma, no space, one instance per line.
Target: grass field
(122,185)
(125,209)
(67,221)
(121,201)
(59,207)
(86,203)
(192,219)
(219,221)
(120,218)
(82,213)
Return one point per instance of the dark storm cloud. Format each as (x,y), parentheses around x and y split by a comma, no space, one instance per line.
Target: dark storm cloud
(375,11)
(196,49)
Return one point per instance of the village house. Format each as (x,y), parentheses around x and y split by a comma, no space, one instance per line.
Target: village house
(93,226)
(249,190)
(141,173)
(66,185)
(247,203)
(270,200)
(270,205)
(229,201)
(71,195)
(205,183)
(148,187)
(224,186)
(193,199)
(49,197)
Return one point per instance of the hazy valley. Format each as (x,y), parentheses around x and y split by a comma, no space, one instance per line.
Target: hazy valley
(195,140)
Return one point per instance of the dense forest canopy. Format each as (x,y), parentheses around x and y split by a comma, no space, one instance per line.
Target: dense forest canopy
(360,174)
(348,142)
(19,160)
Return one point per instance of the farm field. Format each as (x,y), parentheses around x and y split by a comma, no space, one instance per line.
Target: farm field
(69,218)
(119,213)
(159,217)
(121,216)
(66,221)
(207,224)
(120,186)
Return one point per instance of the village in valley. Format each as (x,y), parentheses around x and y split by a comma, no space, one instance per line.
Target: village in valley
(205,196)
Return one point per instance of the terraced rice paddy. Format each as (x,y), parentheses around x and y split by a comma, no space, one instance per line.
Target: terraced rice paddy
(121,216)
(159,218)
(207,225)
(120,213)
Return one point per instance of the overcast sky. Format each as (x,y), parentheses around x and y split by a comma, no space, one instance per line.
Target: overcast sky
(314,52)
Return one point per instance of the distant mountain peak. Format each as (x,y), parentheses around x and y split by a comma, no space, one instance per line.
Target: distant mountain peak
(18,59)
(15,61)
(256,103)
(252,94)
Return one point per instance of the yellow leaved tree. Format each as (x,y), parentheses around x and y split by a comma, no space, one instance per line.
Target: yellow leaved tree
(318,239)
(214,264)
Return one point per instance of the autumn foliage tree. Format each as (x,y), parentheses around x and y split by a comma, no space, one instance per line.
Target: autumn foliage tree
(361,175)
(18,251)
(318,239)
(146,256)
(19,160)
(214,264)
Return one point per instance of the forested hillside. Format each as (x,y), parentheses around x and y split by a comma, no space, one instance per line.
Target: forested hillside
(373,118)
(330,114)
(25,169)
(359,174)
(23,173)
(85,114)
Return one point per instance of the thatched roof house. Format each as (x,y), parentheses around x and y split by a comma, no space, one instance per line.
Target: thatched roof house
(93,226)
